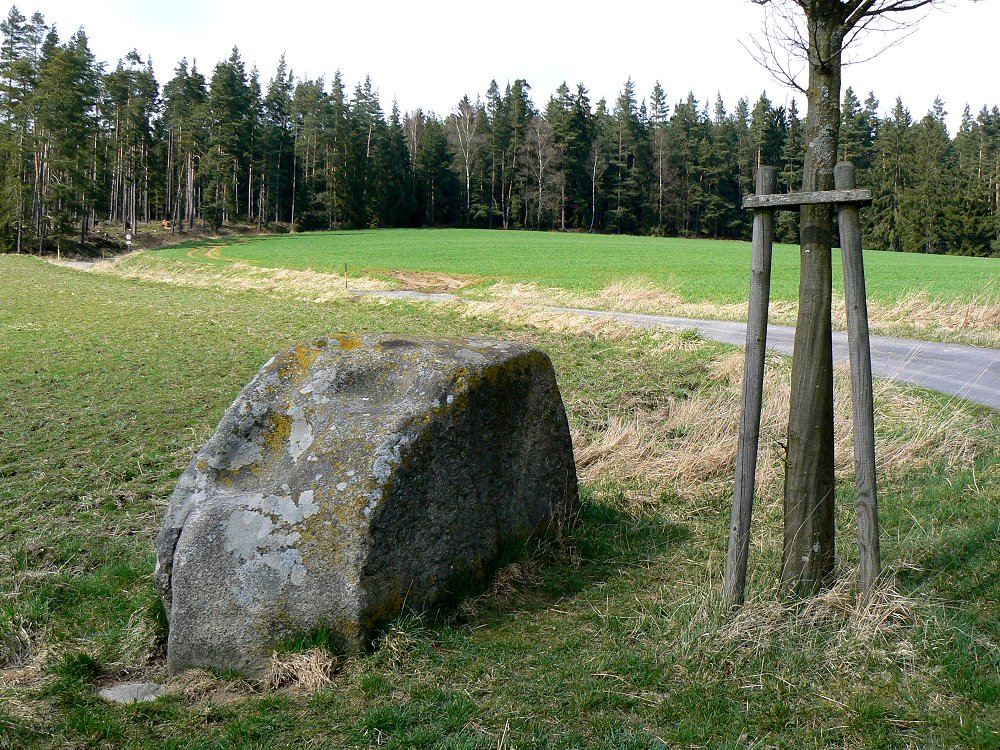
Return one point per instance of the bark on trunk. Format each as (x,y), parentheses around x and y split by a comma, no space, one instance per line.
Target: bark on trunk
(808,555)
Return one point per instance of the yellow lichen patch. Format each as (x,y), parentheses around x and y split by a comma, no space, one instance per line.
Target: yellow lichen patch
(280,430)
(305,355)
(295,363)
(349,342)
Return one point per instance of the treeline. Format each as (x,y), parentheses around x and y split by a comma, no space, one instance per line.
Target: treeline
(81,144)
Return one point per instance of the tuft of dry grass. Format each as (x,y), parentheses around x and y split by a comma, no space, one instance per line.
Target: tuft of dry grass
(141,645)
(28,672)
(16,643)
(843,628)
(884,613)
(306,672)
(401,639)
(200,685)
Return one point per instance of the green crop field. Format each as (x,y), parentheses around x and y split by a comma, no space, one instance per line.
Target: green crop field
(611,637)
(696,270)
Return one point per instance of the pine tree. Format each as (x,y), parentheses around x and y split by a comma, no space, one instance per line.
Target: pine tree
(972,211)
(888,179)
(438,189)
(129,107)
(231,110)
(926,202)
(66,127)
(395,190)
(185,119)
(625,173)
(790,177)
(276,142)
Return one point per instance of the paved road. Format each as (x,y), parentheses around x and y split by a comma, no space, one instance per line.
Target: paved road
(970,372)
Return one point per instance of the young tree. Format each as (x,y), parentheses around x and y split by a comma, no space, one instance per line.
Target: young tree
(541,151)
(659,113)
(816,32)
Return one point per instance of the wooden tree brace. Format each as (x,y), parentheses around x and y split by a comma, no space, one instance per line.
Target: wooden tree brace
(790,201)
(753,394)
(848,200)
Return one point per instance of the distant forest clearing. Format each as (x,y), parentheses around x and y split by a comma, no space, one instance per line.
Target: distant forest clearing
(695,270)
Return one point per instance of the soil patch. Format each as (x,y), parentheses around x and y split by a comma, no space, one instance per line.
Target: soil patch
(422,281)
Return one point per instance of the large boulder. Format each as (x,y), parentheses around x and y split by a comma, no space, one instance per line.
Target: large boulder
(353,477)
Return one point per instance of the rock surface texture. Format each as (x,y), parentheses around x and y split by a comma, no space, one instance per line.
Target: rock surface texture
(353,477)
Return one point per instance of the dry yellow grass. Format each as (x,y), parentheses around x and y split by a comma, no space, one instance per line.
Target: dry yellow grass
(974,321)
(238,277)
(200,685)
(26,673)
(305,672)
(856,623)
(689,446)
(568,323)
(627,296)
(923,313)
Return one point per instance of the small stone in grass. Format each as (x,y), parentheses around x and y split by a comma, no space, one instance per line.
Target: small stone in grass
(132,692)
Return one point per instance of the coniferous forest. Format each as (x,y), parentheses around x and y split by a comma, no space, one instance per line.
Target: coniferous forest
(82,143)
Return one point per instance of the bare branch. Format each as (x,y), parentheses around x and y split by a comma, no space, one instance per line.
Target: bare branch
(784,51)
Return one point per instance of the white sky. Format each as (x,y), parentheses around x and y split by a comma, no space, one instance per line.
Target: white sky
(428,54)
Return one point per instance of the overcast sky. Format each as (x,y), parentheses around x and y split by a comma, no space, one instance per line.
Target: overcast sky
(429,54)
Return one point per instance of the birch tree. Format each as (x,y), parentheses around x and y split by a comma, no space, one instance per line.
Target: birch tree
(464,125)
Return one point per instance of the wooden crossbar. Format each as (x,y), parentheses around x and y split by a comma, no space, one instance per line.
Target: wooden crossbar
(794,200)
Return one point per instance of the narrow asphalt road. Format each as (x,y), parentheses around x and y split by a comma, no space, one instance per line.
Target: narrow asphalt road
(970,372)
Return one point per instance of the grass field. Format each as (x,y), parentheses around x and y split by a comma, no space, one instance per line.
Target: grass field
(939,297)
(612,638)
(696,270)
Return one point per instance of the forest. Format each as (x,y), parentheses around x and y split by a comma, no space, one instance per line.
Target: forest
(82,144)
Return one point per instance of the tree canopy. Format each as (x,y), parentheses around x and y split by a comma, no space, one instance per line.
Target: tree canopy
(82,142)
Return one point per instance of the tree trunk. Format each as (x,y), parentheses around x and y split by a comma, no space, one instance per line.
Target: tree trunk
(808,556)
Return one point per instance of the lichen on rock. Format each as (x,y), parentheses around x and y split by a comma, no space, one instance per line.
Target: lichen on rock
(355,474)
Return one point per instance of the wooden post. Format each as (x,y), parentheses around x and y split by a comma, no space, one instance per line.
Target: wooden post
(849,219)
(753,393)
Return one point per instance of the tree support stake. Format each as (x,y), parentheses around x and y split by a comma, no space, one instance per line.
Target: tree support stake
(848,201)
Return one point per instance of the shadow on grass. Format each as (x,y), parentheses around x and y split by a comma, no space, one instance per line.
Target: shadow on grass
(606,542)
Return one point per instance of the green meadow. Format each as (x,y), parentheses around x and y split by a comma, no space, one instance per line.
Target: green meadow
(611,637)
(696,270)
